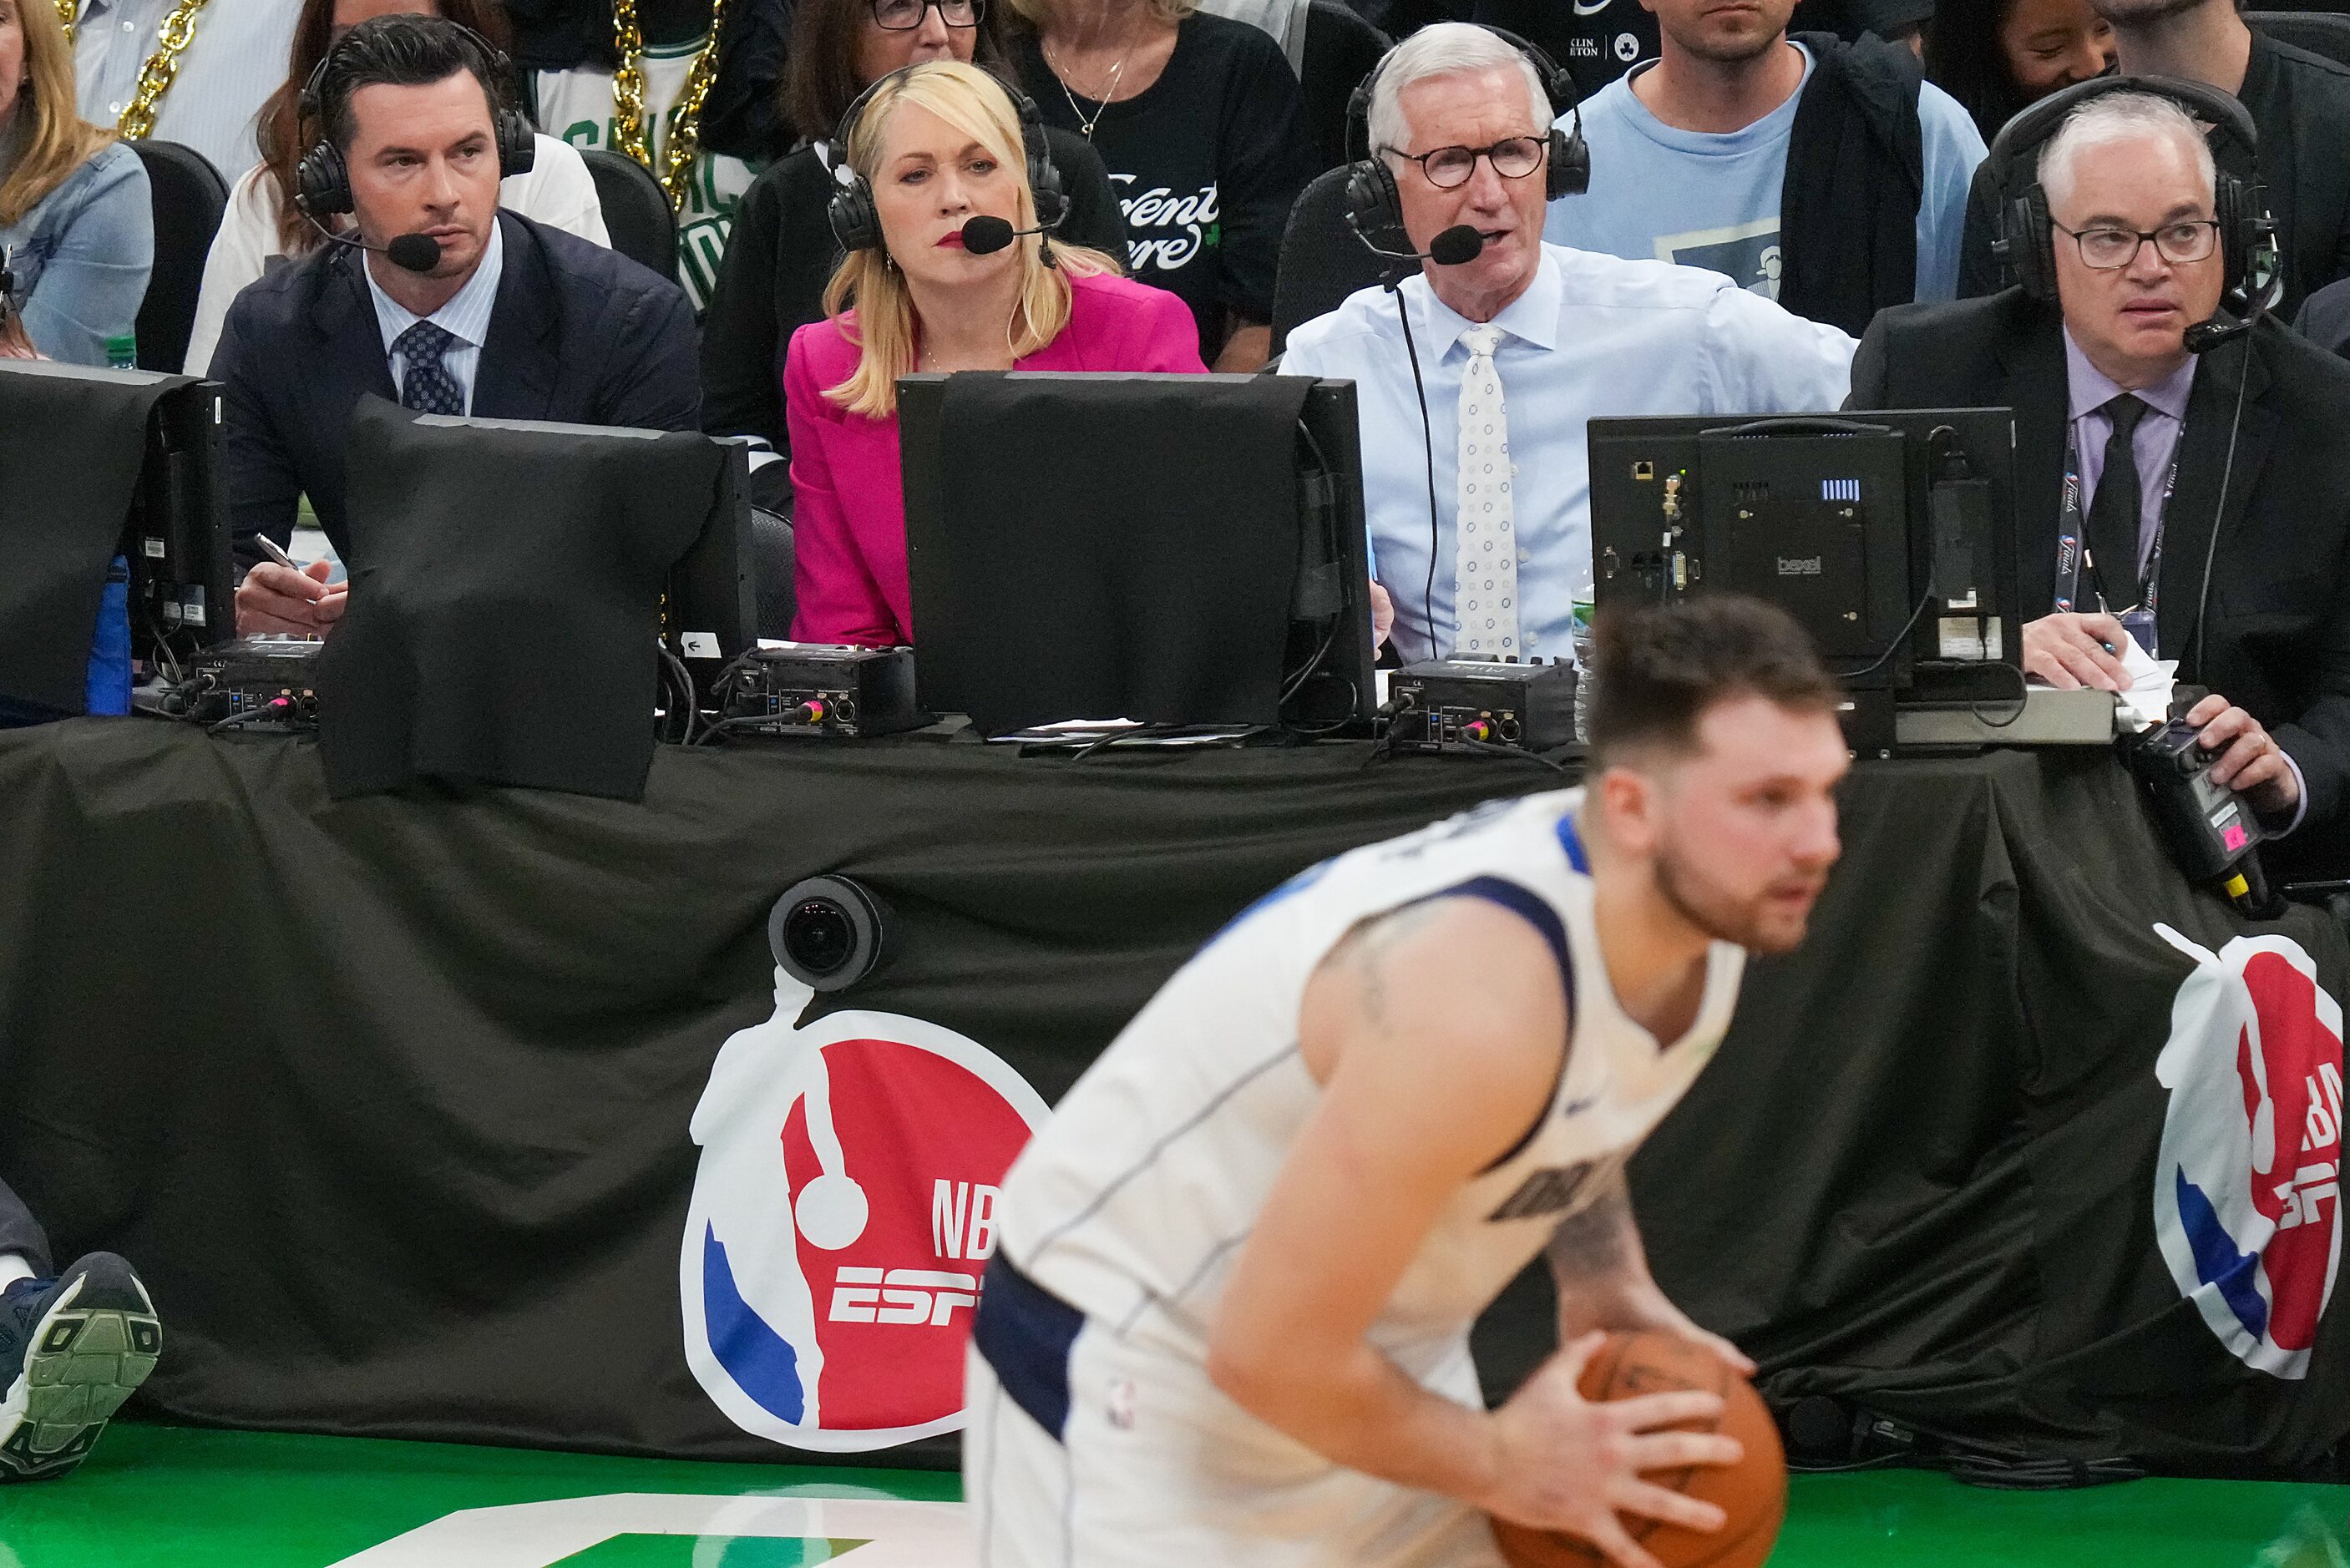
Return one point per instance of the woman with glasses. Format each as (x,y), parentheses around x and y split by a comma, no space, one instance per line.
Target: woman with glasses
(262,228)
(784,252)
(935,147)
(1201,121)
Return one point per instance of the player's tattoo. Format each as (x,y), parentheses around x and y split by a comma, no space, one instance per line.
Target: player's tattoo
(1596,1239)
(1367,951)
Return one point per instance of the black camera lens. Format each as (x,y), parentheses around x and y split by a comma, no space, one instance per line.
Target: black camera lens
(827,932)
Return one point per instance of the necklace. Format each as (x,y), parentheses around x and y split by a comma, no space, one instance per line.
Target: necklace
(1109,92)
(65,14)
(675,169)
(162,66)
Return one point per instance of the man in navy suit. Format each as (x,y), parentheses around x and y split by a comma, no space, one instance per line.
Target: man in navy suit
(514,321)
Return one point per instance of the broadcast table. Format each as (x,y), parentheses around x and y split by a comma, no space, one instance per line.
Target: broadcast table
(413,1109)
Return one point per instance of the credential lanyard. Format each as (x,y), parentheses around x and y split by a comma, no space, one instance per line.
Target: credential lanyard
(2071,530)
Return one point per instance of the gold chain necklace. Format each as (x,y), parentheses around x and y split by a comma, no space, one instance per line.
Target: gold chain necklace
(65,9)
(675,172)
(155,76)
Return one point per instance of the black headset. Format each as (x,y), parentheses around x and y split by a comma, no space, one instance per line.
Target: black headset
(1374,205)
(322,180)
(2027,234)
(857,223)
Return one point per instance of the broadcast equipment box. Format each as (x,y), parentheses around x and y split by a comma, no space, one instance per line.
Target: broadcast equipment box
(1455,701)
(823,688)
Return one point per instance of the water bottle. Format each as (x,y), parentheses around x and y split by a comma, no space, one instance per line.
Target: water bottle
(122,352)
(1580,604)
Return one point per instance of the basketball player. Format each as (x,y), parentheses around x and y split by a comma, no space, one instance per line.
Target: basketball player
(1227,1323)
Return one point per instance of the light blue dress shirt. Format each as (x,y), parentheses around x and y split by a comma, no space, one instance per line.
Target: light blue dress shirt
(1592,335)
(237,58)
(1709,200)
(466,318)
(82,254)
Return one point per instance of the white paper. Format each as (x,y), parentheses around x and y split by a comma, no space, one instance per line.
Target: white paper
(2145,701)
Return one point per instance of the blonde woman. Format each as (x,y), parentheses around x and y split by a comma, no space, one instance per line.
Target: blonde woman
(1199,122)
(75,220)
(938,144)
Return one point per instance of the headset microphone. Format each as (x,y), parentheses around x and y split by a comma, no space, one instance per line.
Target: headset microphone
(410,253)
(1455,247)
(984,235)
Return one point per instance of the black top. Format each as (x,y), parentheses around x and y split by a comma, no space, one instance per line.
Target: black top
(772,281)
(579,334)
(2276,637)
(1207,162)
(2300,104)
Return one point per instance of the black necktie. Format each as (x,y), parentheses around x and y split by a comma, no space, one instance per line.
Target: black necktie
(2113,509)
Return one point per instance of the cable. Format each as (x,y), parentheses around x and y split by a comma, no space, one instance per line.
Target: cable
(2219,508)
(1489,749)
(1427,445)
(1900,640)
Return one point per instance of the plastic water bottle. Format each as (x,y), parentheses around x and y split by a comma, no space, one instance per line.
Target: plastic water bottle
(1580,606)
(122,352)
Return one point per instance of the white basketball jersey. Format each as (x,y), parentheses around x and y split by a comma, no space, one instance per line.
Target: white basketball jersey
(1132,1203)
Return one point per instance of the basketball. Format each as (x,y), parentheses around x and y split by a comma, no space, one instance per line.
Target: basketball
(1754,1493)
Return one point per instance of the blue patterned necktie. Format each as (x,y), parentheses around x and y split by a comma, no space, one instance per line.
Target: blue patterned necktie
(427,386)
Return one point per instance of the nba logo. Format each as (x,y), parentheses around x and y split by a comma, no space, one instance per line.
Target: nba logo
(2248,1184)
(843,1212)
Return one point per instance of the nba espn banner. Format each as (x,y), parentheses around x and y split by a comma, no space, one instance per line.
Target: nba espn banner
(490,1118)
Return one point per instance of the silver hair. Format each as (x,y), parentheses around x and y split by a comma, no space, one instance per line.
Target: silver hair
(1444,49)
(2119,117)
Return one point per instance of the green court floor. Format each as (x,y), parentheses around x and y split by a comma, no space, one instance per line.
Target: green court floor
(159,1497)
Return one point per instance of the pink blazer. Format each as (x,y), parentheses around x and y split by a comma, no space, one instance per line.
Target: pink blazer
(848,515)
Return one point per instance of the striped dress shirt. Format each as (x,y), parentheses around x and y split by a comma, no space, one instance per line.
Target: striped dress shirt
(239,55)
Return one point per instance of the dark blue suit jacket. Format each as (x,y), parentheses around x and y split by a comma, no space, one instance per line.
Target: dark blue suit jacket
(579,334)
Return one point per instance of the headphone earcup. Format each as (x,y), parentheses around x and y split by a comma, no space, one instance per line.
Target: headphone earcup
(855,224)
(518,143)
(1374,205)
(2237,236)
(322,181)
(1569,172)
(2027,243)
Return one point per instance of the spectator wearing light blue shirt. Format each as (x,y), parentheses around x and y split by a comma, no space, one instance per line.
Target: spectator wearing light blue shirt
(75,220)
(1518,349)
(234,59)
(1829,177)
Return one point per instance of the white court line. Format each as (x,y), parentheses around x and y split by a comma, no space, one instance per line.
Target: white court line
(537,1534)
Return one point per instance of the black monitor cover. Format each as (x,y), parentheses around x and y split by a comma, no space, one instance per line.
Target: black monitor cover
(1107,547)
(505,592)
(72,441)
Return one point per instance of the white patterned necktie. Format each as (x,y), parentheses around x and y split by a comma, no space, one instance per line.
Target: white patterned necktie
(1485,548)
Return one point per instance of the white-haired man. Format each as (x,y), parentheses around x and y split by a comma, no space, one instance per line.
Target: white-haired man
(1515,350)
(2124,439)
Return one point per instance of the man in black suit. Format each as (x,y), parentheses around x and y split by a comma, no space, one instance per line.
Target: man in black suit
(513,321)
(2108,398)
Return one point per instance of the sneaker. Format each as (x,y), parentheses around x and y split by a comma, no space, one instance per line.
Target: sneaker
(72,1349)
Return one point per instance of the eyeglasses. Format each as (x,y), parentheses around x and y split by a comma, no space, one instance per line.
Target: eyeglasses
(2107,249)
(1447,168)
(905,16)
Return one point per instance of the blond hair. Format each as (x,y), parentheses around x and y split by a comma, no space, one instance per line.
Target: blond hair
(56,140)
(975,104)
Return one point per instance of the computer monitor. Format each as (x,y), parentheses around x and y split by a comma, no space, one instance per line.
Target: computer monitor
(1177,550)
(1889,534)
(508,581)
(93,465)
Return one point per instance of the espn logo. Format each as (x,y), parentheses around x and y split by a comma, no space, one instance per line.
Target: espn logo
(2318,1183)
(901,1295)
